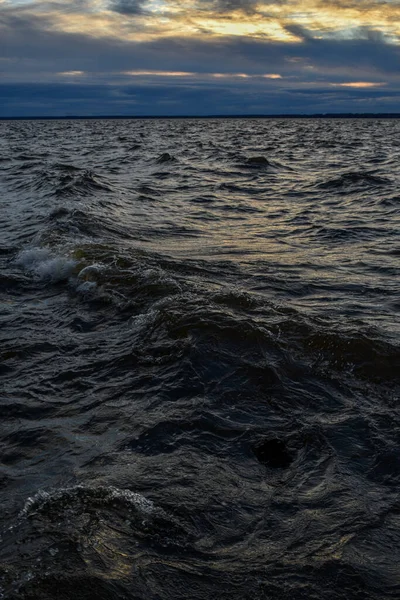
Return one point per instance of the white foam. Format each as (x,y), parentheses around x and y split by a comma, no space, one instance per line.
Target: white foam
(29,258)
(42,263)
(91,272)
(158,276)
(56,269)
(142,320)
(86,287)
(82,493)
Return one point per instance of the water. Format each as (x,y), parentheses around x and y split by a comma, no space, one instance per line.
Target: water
(200,359)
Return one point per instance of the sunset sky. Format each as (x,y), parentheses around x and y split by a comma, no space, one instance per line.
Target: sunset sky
(163,57)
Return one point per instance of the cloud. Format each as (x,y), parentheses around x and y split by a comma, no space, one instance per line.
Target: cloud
(104,58)
(359,84)
(228,6)
(35,51)
(274,19)
(299,31)
(71,73)
(155,73)
(128,7)
(192,98)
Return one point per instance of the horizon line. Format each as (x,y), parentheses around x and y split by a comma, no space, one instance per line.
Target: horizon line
(356,115)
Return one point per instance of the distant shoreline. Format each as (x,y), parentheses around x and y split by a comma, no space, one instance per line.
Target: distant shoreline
(154,117)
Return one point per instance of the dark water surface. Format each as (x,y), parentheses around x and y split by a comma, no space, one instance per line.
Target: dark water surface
(199,359)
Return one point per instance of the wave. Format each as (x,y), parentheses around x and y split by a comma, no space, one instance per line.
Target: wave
(86,540)
(206,404)
(59,213)
(43,502)
(351,233)
(355,178)
(257,162)
(144,281)
(44,265)
(165,157)
(352,353)
(81,183)
(148,190)
(64,180)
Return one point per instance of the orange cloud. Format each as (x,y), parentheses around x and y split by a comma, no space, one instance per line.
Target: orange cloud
(359,84)
(245,75)
(71,73)
(140,72)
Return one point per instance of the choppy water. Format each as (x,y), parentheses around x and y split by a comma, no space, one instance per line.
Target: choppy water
(200,359)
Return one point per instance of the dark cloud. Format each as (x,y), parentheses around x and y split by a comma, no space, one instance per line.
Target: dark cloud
(248,7)
(31,47)
(369,34)
(34,52)
(227,6)
(128,7)
(299,31)
(202,98)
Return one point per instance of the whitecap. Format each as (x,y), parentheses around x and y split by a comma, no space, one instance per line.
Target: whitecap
(86,287)
(90,273)
(81,493)
(42,263)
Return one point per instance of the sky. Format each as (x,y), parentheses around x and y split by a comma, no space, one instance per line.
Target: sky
(198,57)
